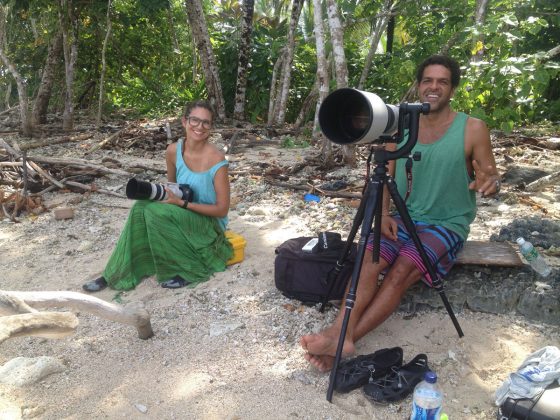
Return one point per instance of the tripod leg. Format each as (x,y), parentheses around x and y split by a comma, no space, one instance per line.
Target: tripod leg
(346,251)
(409,224)
(373,198)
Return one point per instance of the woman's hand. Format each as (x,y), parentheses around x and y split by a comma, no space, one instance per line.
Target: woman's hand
(389,227)
(172,198)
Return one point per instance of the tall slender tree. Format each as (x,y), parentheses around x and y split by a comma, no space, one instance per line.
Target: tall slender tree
(337,40)
(199,30)
(103,66)
(285,77)
(54,55)
(381,21)
(68,17)
(243,60)
(26,124)
(340,64)
(322,75)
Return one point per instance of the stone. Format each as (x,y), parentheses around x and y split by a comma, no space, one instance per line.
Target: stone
(63,213)
(495,290)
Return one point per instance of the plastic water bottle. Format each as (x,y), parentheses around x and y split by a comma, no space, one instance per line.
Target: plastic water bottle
(427,399)
(533,257)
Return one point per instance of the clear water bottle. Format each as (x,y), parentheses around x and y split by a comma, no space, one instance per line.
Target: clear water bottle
(427,399)
(533,257)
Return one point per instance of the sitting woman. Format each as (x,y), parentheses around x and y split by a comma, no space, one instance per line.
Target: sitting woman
(179,242)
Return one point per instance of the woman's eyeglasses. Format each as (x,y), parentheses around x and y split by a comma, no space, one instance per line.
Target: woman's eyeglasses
(195,122)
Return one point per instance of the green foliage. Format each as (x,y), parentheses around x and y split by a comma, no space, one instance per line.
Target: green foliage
(290,142)
(150,54)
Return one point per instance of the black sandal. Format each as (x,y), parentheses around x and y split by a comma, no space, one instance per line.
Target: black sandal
(95,285)
(175,283)
(400,383)
(356,372)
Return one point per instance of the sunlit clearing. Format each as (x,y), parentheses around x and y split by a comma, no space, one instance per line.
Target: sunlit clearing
(193,384)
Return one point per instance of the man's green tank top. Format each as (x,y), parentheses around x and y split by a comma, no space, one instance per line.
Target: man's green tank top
(440,192)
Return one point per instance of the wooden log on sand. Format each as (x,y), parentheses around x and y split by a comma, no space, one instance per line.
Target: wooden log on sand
(16,302)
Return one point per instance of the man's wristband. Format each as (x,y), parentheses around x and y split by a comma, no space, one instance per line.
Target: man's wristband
(185,204)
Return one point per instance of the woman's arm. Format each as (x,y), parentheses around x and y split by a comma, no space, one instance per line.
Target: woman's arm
(170,157)
(221,186)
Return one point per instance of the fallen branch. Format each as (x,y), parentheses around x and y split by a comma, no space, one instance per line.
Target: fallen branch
(41,324)
(105,141)
(93,189)
(66,139)
(542,182)
(44,174)
(78,163)
(134,315)
(7,111)
(310,188)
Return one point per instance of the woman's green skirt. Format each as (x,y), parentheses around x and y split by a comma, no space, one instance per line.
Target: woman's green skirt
(165,240)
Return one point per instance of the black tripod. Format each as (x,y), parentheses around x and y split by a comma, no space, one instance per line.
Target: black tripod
(370,209)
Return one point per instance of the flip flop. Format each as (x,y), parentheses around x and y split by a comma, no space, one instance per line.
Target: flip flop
(175,283)
(400,383)
(360,370)
(95,285)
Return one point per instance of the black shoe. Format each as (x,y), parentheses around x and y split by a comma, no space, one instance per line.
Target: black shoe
(175,283)
(356,372)
(95,285)
(400,383)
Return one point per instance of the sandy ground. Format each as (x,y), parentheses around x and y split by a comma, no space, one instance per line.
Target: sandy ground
(228,349)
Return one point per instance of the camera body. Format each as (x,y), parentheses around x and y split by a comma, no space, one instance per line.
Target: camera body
(144,190)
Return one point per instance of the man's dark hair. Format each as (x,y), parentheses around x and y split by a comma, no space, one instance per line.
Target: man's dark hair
(442,60)
(198,104)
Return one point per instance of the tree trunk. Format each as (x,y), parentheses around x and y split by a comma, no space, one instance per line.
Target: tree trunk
(69,26)
(310,100)
(322,83)
(197,23)
(479,18)
(380,25)
(103,66)
(171,23)
(41,104)
(340,66)
(26,125)
(275,86)
(337,39)
(8,95)
(243,61)
(282,99)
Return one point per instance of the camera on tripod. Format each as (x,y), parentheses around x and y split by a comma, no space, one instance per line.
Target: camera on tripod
(144,190)
(351,116)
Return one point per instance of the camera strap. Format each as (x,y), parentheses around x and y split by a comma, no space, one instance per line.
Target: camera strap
(408,167)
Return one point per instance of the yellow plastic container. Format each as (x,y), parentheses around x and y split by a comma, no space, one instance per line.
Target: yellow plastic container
(238,243)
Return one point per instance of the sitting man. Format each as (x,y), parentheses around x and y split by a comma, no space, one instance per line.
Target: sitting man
(457,161)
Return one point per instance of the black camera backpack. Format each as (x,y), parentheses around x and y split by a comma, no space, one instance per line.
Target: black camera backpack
(308,276)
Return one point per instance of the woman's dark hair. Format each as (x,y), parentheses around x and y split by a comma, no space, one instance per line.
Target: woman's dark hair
(442,60)
(198,104)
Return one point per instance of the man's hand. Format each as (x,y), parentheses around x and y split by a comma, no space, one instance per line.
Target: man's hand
(486,181)
(389,227)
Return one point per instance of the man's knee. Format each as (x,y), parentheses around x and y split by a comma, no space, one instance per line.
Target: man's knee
(403,274)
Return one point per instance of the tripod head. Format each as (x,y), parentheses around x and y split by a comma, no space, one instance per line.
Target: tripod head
(351,116)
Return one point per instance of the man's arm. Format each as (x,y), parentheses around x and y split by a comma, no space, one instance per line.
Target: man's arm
(480,158)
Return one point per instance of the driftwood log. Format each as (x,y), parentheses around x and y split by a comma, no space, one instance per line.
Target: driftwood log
(19,315)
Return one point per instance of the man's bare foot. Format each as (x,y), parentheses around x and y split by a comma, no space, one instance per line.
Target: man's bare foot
(325,344)
(323,363)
